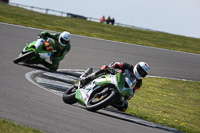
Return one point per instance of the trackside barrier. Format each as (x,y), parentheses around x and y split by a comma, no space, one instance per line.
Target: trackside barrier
(65,14)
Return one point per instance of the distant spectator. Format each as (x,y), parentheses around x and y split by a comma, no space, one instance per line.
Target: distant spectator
(108,20)
(112,21)
(102,19)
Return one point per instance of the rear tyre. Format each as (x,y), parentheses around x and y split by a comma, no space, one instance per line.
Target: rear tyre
(69,95)
(24,57)
(103,101)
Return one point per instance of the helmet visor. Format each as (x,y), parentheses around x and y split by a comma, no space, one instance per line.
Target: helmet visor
(141,71)
(63,41)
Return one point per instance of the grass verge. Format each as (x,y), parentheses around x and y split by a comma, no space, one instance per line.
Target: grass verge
(11,127)
(173,103)
(20,16)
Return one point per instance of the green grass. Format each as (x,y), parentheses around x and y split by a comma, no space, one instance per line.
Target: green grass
(20,16)
(11,127)
(173,103)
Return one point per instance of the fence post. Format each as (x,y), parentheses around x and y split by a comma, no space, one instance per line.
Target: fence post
(47,11)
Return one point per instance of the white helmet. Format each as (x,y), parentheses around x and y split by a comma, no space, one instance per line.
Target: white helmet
(141,69)
(64,38)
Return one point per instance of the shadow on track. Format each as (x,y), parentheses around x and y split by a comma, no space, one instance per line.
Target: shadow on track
(47,70)
(35,67)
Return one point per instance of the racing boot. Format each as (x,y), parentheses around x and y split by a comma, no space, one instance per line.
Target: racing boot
(121,106)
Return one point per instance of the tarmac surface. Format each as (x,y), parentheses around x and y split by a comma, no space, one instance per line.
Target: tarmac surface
(26,103)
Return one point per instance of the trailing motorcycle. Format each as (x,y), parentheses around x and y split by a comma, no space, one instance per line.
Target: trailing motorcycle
(36,51)
(107,89)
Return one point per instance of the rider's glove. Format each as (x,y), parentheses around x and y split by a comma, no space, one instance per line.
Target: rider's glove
(111,70)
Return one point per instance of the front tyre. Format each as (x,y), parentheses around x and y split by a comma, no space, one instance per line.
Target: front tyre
(24,57)
(69,95)
(98,102)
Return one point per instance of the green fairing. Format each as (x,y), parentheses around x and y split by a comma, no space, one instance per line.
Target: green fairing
(30,47)
(119,77)
(102,84)
(79,97)
(120,80)
(40,49)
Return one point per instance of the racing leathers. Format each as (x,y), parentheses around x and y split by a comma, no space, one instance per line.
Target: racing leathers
(59,51)
(122,66)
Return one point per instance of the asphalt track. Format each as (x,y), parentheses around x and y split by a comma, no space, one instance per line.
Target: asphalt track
(25,103)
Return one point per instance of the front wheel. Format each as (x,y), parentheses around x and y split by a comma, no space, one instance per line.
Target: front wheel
(99,101)
(69,95)
(24,57)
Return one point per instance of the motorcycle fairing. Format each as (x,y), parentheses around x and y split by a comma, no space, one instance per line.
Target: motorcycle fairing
(37,47)
(83,94)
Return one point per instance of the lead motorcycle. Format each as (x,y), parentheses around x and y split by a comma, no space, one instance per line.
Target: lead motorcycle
(41,49)
(105,90)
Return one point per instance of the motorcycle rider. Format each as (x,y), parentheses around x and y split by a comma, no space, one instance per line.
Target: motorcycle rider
(61,48)
(140,70)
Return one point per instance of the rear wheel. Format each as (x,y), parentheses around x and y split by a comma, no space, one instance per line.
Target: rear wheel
(69,95)
(101,100)
(24,57)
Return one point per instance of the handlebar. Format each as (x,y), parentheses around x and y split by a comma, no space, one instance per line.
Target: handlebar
(111,70)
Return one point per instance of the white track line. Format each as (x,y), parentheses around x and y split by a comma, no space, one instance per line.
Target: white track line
(29,74)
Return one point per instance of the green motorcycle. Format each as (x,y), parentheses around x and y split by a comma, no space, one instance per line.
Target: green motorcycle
(36,51)
(107,89)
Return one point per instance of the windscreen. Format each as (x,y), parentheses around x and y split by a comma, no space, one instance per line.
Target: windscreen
(130,79)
